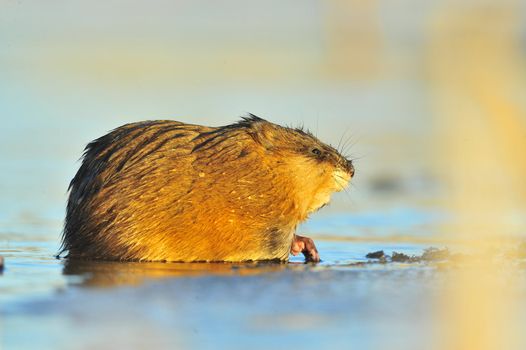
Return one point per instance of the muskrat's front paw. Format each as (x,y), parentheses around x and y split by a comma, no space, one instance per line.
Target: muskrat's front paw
(306,246)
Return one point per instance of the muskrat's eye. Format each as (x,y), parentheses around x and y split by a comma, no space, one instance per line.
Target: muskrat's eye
(316,151)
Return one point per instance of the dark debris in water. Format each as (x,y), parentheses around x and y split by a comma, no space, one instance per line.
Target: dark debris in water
(429,255)
(376,255)
(444,257)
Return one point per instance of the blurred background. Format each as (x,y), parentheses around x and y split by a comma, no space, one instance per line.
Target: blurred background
(429,96)
(394,79)
(357,70)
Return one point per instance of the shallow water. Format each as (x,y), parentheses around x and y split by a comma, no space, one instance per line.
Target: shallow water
(335,304)
(58,304)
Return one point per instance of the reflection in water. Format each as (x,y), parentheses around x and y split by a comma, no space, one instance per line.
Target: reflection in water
(114,273)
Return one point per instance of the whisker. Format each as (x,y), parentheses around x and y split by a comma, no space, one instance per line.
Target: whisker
(344,146)
(341,139)
(345,189)
(352,159)
(348,146)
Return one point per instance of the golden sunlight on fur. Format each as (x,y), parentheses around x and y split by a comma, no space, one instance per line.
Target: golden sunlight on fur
(169,191)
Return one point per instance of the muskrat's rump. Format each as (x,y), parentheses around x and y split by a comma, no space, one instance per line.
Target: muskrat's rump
(169,191)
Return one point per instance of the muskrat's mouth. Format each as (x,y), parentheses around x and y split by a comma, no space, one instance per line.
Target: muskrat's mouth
(341,179)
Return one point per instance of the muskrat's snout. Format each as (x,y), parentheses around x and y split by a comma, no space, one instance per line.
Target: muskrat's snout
(349,167)
(346,165)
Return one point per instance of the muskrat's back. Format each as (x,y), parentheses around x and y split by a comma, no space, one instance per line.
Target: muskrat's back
(165,190)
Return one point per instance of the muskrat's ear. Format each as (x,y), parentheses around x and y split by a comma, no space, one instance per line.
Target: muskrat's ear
(262,132)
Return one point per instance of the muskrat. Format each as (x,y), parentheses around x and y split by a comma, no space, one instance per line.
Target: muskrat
(168,191)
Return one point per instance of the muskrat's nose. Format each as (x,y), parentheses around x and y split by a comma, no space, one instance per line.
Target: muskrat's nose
(350,168)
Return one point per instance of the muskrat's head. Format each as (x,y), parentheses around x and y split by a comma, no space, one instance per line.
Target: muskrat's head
(314,169)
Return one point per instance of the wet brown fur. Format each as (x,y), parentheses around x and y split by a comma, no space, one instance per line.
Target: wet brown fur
(169,191)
